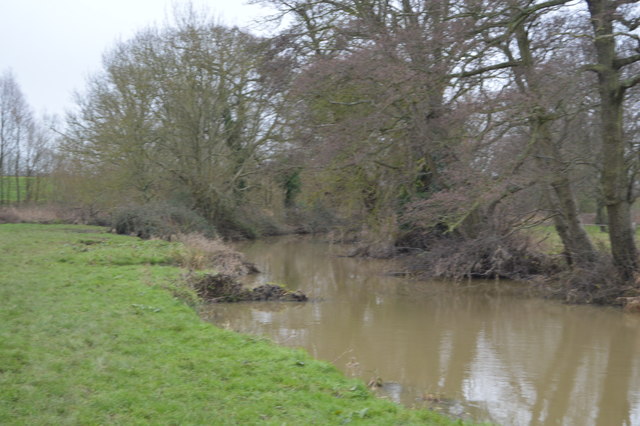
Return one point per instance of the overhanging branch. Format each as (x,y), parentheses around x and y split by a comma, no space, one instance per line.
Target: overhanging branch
(482,70)
(630,82)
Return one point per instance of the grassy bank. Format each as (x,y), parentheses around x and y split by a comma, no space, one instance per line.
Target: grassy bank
(551,243)
(89,334)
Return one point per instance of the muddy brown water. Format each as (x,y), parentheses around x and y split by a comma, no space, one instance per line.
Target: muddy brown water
(483,351)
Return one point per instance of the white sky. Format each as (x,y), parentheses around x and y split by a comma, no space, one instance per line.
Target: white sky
(53,45)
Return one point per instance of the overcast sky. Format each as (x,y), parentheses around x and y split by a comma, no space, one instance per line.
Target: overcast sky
(53,45)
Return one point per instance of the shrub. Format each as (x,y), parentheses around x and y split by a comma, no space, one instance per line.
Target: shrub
(158,220)
(8,215)
(600,284)
(312,220)
(487,256)
(36,214)
(200,252)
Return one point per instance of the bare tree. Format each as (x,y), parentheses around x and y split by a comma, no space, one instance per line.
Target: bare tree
(38,158)
(185,111)
(616,42)
(545,105)
(16,120)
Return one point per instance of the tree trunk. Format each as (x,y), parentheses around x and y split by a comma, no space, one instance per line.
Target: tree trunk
(622,236)
(615,184)
(615,180)
(579,251)
(601,216)
(616,189)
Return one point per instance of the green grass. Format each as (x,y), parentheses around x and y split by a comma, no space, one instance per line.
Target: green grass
(90,335)
(550,240)
(40,187)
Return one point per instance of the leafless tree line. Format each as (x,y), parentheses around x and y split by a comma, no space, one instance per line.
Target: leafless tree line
(25,146)
(411,119)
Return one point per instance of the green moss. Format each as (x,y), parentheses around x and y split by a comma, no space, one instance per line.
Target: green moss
(89,335)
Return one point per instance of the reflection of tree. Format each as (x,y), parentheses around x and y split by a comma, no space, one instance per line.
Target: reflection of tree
(274,306)
(554,386)
(615,408)
(465,334)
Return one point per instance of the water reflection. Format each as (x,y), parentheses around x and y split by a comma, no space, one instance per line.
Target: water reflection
(479,350)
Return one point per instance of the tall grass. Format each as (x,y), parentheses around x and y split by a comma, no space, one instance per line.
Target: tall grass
(198,252)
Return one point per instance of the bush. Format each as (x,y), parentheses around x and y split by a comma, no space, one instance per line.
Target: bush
(599,283)
(159,220)
(486,256)
(312,220)
(8,215)
(42,213)
(200,252)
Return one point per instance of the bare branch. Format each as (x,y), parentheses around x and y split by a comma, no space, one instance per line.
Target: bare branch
(366,101)
(482,70)
(630,82)
(597,68)
(621,62)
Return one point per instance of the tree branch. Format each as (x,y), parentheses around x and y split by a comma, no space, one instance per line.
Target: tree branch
(597,68)
(621,62)
(630,24)
(366,101)
(630,82)
(482,70)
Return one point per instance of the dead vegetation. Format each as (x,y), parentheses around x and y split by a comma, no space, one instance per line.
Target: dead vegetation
(200,253)
(518,257)
(45,214)
(630,304)
(488,256)
(216,288)
(599,283)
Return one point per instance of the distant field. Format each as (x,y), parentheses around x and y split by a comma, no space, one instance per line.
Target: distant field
(36,189)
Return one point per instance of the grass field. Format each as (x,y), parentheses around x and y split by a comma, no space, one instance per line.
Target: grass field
(40,189)
(551,243)
(550,240)
(90,334)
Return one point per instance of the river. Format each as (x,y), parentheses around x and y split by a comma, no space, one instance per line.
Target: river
(482,350)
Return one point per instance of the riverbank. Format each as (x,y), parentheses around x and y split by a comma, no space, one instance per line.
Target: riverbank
(91,334)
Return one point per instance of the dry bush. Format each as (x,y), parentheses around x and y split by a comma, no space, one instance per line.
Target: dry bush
(631,305)
(8,215)
(599,283)
(225,288)
(36,214)
(159,220)
(514,256)
(487,256)
(200,252)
